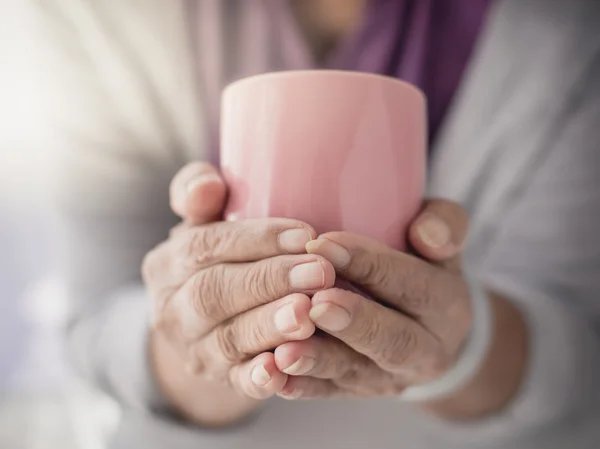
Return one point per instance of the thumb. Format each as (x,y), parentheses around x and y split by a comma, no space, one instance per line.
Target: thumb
(439,231)
(198,193)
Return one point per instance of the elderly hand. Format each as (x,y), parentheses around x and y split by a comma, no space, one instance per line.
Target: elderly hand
(226,293)
(410,335)
(413,332)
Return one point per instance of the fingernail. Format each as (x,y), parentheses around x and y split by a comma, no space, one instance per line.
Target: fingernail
(202,179)
(294,240)
(293,394)
(260,376)
(434,232)
(330,317)
(301,366)
(333,252)
(285,319)
(307,276)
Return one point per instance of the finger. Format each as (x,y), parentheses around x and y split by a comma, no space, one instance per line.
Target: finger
(192,249)
(395,342)
(258,378)
(257,330)
(325,358)
(328,358)
(198,193)
(309,388)
(439,231)
(401,280)
(220,292)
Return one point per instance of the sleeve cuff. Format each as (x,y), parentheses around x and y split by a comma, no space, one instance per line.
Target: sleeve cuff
(563,362)
(563,358)
(123,351)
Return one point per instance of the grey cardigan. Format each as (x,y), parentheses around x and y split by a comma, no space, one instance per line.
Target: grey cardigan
(520,150)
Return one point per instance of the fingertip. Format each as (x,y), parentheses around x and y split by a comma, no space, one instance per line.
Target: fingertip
(432,238)
(189,180)
(283,356)
(292,318)
(205,198)
(329,274)
(261,378)
(307,327)
(333,252)
(440,230)
(293,389)
(301,303)
(334,310)
(294,358)
(329,295)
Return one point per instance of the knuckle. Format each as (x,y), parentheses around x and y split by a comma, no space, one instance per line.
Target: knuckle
(179,228)
(432,362)
(258,334)
(399,350)
(262,280)
(226,344)
(331,363)
(153,263)
(212,243)
(160,287)
(416,287)
(148,264)
(235,383)
(327,366)
(160,322)
(374,267)
(199,246)
(434,367)
(166,323)
(202,244)
(253,331)
(371,333)
(206,295)
(272,229)
(349,371)
(427,280)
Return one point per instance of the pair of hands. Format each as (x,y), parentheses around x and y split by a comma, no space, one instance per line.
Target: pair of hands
(241,301)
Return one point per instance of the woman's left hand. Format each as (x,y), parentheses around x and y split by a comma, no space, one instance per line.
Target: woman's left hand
(411,334)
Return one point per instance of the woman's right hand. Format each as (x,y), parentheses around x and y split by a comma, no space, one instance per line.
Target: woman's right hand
(225,294)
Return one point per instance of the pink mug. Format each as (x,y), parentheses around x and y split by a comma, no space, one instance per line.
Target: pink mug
(342,151)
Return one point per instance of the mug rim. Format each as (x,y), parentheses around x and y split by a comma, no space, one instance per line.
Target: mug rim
(327,72)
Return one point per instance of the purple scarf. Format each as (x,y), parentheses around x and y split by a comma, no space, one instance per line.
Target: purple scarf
(425,42)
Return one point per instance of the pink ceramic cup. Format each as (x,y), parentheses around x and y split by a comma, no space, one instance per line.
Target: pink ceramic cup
(338,150)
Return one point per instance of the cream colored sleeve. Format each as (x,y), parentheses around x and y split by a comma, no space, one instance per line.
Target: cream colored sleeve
(124,118)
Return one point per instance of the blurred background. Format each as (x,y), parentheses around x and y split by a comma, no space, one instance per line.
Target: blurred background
(42,406)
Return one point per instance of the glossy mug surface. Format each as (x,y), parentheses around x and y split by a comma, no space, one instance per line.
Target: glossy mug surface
(339,150)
